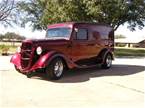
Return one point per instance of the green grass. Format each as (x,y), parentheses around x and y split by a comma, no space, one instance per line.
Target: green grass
(9,48)
(120,52)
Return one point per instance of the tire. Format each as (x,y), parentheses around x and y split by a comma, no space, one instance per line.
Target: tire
(55,69)
(107,62)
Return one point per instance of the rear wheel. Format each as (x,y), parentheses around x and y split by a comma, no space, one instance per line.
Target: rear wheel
(55,69)
(107,62)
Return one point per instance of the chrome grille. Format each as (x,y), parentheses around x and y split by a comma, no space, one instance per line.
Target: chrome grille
(26,54)
(26,46)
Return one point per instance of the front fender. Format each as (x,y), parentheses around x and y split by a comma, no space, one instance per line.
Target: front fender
(41,63)
(68,62)
(16,59)
(48,57)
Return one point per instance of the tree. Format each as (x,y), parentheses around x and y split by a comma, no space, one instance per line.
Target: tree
(1,37)
(6,8)
(11,35)
(112,12)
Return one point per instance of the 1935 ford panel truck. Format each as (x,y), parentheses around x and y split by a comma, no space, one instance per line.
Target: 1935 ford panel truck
(66,45)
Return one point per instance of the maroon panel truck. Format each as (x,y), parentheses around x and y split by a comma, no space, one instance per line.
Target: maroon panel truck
(66,46)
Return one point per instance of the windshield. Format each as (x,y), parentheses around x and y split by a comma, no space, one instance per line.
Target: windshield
(58,33)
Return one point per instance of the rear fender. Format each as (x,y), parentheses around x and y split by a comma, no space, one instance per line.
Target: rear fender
(108,52)
(104,53)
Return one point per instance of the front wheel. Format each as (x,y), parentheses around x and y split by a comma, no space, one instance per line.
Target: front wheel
(55,69)
(107,62)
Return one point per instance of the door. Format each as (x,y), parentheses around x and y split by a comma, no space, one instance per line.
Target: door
(81,45)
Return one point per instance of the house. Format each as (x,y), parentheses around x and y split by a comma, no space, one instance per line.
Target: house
(142,44)
(126,42)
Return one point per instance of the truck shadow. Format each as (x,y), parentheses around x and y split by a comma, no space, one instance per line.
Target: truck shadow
(82,75)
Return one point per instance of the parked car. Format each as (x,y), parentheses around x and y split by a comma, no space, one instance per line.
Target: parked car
(66,46)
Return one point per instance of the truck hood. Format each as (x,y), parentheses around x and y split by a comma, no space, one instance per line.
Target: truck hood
(44,43)
(45,40)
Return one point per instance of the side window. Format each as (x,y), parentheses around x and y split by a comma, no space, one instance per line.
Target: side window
(82,34)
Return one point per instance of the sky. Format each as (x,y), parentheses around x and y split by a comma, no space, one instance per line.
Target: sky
(133,35)
(29,33)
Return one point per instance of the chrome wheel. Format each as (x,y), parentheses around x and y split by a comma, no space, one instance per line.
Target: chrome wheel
(55,69)
(58,68)
(109,61)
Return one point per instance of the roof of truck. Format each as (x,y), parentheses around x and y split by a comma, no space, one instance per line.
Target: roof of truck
(70,24)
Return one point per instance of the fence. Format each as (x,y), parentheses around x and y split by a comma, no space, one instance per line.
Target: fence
(10,42)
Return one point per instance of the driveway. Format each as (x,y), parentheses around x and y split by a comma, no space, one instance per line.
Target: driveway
(121,86)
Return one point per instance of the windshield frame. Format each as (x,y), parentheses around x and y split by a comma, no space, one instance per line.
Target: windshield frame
(59,37)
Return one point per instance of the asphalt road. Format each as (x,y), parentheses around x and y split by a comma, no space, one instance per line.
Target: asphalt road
(122,86)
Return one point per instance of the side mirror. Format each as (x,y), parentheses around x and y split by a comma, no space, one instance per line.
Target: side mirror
(75,33)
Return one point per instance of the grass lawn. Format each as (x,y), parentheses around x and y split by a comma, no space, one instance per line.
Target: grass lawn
(7,48)
(119,52)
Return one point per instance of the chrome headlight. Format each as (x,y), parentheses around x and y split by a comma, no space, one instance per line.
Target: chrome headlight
(18,49)
(39,50)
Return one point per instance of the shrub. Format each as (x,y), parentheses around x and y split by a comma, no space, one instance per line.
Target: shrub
(4,49)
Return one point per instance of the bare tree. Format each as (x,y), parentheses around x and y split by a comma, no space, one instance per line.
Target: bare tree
(6,8)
